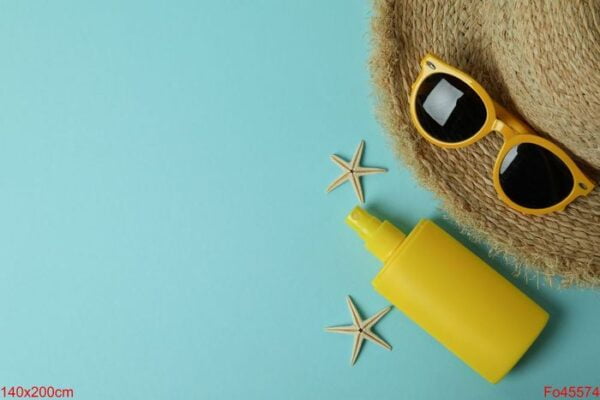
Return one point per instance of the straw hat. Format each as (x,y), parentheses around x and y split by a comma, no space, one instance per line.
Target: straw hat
(539,59)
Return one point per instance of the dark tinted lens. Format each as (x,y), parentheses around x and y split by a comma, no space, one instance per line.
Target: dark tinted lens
(534,177)
(448,109)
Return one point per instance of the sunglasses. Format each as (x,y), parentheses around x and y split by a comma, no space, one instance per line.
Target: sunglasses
(531,174)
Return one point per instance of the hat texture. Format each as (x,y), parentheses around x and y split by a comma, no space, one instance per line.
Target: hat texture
(540,59)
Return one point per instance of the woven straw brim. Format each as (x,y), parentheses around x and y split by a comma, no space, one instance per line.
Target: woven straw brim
(539,59)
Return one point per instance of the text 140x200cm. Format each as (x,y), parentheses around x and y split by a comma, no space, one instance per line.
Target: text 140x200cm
(36,392)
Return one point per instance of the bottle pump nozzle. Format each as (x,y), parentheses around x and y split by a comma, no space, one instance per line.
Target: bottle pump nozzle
(381,238)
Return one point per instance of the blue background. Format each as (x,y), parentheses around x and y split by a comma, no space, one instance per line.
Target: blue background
(165,228)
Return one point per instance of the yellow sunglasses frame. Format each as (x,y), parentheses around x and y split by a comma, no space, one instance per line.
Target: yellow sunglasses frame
(513,130)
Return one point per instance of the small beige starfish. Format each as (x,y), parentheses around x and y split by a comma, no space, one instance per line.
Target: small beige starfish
(361,329)
(353,171)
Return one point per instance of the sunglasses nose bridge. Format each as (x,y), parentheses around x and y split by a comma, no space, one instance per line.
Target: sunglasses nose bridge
(506,131)
(515,123)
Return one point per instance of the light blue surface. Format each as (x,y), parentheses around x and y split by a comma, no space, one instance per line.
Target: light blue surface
(165,228)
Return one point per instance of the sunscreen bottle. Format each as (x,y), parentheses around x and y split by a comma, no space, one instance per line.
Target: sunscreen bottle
(452,294)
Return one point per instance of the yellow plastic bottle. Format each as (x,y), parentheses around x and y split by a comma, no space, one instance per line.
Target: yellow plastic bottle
(452,294)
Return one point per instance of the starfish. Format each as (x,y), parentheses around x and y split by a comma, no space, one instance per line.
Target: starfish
(361,329)
(353,171)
